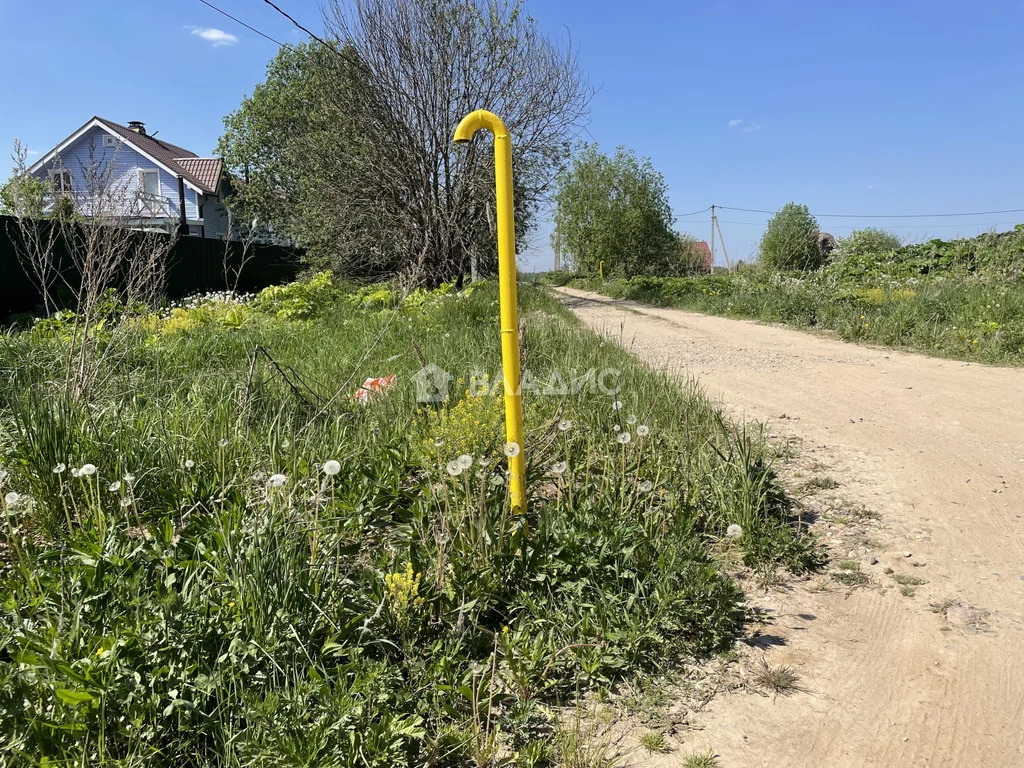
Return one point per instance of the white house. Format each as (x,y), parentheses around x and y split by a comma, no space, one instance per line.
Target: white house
(143,180)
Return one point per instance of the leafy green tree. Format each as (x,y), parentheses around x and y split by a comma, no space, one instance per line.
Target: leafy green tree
(791,240)
(23,195)
(348,147)
(615,209)
(867,242)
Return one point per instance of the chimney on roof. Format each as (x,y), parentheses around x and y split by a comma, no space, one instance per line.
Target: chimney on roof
(138,126)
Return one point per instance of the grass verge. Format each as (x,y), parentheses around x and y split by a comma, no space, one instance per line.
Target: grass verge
(219,557)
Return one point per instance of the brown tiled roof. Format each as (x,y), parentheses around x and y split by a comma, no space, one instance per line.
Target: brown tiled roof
(202,172)
(205,171)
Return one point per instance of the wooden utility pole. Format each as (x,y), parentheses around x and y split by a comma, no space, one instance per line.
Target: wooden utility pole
(724,252)
(712,238)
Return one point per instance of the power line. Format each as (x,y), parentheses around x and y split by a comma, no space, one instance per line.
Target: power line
(293,21)
(883,215)
(694,213)
(917,226)
(247,26)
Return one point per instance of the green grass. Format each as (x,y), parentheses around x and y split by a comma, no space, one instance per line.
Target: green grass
(177,607)
(962,299)
(700,760)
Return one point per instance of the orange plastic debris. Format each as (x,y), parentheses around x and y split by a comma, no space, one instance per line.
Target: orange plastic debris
(372,387)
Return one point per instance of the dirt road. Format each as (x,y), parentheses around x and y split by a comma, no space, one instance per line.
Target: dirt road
(922,665)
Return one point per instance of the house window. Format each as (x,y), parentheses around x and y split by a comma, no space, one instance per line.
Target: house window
(149,183)
(109,141)
(60,180)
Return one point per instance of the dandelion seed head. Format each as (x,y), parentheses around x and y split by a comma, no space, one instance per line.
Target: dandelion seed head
(332,467)
(559,467)
(438,442)
(645,486)
(617,406)
(734,531)
(465,461)
(564,425)
(12,498)
(87,470)
(276,480)
(59,469)
(189,464)
(631,419)
(643,430)
(616,428)
(623,438)
(224,443)
(114,486)
(512,449)
(259,477)
(454,468)
(76,472)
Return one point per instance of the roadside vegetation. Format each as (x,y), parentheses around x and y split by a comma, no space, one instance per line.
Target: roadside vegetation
(962,299)
(216,555)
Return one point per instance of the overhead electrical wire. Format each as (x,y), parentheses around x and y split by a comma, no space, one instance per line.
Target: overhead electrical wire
(883,215)
(247,26)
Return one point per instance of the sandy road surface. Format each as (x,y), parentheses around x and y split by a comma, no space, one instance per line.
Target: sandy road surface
(936,447)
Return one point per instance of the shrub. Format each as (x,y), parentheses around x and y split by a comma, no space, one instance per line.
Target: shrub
(866,242)
(301,300)
(791,240)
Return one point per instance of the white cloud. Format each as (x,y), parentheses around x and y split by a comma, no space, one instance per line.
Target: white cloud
(752,128)
(734,123)
(218,37)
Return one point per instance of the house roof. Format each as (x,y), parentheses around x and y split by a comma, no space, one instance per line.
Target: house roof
(204,170)
(201,173)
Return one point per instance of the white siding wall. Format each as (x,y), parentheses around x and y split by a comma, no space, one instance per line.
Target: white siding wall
(87,160)
(215,217)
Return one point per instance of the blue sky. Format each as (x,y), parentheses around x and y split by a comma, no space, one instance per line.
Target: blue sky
(861,108)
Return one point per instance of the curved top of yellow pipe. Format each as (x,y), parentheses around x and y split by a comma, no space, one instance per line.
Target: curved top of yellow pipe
(474,121)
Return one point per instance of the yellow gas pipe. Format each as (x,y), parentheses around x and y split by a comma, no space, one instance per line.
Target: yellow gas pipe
(470,124)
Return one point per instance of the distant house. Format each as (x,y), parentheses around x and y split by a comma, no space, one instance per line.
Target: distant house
(148,183)
(705,251)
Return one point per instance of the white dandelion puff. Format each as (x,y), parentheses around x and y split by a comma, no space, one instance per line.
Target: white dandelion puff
(496,480)
(331,468)
(12,498)
(616,428)
(643,430)
(465,461)
(59,469)
(617,406)
(114,486)
(224,443)
(631,419)
(734,531)
(623,438)
(276,480)
(87,470)
(646,486)
(438,442)
(512,449)
(76,472)
(559,467)
(129,478)
(259,477)
(189,464)
(564,425)
(454,468)
(126,502)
